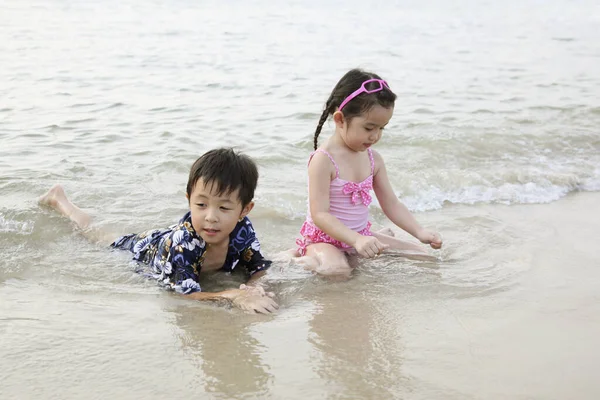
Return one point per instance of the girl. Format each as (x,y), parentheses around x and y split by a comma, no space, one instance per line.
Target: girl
(214,234)
(341,174)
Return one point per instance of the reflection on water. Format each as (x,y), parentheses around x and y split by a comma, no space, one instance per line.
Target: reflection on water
(222,346)
(360,348)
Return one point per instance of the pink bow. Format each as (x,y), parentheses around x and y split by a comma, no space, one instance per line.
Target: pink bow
(359,190)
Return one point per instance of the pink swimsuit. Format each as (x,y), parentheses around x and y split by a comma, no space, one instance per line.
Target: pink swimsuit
(348,202)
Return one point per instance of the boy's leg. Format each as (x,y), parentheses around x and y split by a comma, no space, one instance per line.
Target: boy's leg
(57,199)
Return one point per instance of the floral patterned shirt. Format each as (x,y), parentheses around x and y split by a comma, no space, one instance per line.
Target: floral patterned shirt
(175,254)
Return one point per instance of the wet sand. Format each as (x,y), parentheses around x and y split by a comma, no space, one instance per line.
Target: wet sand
(512,311)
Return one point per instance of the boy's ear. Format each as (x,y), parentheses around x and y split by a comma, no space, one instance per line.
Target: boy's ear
(187,196)
(246,210)
(339,119)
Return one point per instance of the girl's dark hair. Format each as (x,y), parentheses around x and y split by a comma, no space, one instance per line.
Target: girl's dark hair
(228,170)
(358,105)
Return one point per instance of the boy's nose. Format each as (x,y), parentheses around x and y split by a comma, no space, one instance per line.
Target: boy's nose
(211,216)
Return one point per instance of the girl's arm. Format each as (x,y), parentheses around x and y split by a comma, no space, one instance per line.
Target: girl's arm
(320,174)
(395,210)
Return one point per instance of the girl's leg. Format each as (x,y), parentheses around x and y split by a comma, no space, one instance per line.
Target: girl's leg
(386,231)
(404,248)
(57,199)
(326,259)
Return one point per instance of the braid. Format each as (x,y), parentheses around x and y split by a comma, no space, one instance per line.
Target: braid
(322,120)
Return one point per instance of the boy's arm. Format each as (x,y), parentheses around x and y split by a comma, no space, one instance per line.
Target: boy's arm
(251,257)
(224,296)
(249,299)
(255,277)
(184,279)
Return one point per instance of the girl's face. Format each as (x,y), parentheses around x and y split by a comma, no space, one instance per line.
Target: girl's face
(215,216)
(365,130)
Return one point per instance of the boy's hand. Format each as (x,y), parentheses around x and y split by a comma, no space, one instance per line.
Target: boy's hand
(256,288)
(369,246)
(252,299)
(431,238)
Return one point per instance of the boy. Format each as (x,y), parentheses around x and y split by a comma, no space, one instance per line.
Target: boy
(215,234)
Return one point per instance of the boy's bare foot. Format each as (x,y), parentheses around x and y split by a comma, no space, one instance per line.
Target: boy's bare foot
(53,196)
(57,199)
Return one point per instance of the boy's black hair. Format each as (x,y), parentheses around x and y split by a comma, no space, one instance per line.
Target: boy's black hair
(350,82)
(228,171)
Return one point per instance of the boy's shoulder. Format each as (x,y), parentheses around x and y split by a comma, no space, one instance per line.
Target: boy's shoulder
(183,232)
(243,235)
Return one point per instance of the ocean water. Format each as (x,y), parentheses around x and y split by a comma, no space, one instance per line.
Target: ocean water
(494,137)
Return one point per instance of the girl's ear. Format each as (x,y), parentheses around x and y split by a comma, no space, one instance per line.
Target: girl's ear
(338,118)
(246,210)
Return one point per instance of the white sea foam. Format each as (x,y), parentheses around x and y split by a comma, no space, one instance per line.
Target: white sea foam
(11,226)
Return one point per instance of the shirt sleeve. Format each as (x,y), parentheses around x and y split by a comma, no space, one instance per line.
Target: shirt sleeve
(185,262)
(252,258)
(248,248)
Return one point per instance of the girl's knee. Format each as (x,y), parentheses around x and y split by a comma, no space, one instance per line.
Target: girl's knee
(324,267)
(339,269)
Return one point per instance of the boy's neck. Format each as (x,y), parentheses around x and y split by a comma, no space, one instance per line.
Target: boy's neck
(218,246)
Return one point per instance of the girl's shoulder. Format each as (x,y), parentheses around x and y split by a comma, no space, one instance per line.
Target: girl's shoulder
(377,160)
(321,160)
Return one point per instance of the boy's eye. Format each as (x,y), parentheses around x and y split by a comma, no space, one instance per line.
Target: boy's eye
(225,208)
(369,129)
(201,205)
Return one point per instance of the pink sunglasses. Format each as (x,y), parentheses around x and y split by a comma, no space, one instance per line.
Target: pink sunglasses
(363,89)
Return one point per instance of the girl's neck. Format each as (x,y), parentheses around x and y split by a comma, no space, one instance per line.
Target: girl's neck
(335,142)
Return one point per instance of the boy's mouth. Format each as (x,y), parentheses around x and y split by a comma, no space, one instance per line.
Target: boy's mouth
(211,232)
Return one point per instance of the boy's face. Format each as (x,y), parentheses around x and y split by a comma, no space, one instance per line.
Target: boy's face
(215,216)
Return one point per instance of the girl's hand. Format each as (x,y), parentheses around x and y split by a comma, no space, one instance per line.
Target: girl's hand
(368,246)
(431,238)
